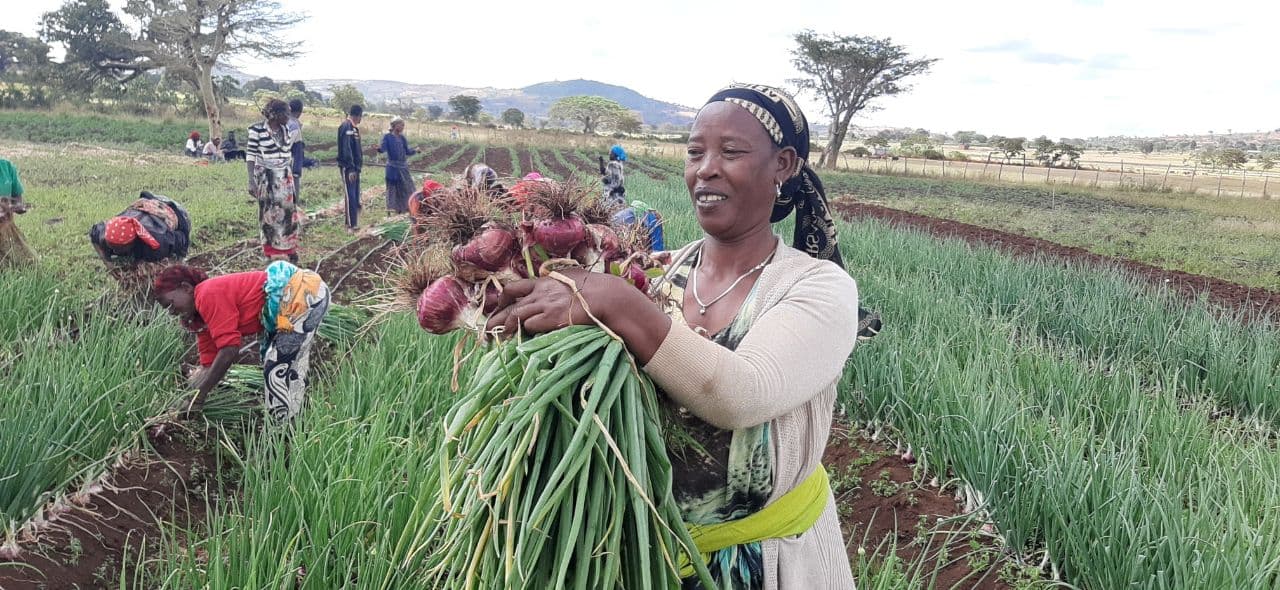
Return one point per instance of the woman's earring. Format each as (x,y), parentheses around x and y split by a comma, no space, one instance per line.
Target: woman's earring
(778,188)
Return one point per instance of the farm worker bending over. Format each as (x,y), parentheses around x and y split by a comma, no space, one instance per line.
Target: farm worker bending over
(747,344)
(399,179)
(151,229)
(350,161)
(481,177)
(270,163)
(13,249)
(283,305)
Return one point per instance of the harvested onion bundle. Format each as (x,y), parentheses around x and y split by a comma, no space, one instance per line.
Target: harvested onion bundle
(554,474)
(488,246)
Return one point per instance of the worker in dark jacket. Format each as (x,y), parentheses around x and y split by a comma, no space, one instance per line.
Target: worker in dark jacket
(350,160)
(152,229)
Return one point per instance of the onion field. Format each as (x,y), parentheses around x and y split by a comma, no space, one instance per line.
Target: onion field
(1113,434)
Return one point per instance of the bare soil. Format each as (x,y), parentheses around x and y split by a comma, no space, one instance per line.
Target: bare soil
(880,502)
(435,155)
(460,165)
(178,484)
(556,169)
(577,161)
(499,159)
(526,161)
(1250,301)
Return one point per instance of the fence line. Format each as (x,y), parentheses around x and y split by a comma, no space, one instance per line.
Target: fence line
(1124,175)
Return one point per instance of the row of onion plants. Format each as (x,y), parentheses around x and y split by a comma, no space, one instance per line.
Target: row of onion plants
(1044,388)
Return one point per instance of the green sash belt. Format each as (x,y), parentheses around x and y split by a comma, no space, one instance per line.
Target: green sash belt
(794,513)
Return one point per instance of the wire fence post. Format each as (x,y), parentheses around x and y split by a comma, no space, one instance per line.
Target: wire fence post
(1000,172)
(1194,168)
(1047,170)
(985,164)
(1121,173)
(1024,167)
(964,174)
(1219,183)
(1074,171)
(1143,171)
(1166,177)
(944,167)
(1244,178)
(1265,179)
(1097,176)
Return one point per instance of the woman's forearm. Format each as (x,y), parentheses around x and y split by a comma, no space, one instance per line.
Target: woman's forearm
(630,314)
(217,370)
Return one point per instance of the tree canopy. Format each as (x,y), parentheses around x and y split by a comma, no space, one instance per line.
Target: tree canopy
(848,72)
(346,96)
(185,38)
(513,117)
(465,107)
(590,112)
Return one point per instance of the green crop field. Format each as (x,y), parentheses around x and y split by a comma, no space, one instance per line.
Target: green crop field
(1110,433)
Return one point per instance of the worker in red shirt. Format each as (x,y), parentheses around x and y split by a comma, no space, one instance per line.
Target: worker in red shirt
(284,305)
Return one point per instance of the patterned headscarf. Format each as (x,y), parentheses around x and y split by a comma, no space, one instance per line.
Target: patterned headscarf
(803,193)
(122,231)
(815,231)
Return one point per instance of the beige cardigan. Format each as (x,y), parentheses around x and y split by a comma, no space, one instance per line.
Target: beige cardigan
(785,372)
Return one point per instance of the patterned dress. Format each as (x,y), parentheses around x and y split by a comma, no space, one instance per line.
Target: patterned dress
(295,305)
(270,163)
(718,475)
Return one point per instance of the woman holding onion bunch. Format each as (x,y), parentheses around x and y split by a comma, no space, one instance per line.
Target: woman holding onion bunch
(747,342)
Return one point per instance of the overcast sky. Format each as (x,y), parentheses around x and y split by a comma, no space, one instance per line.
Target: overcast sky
(1071,68)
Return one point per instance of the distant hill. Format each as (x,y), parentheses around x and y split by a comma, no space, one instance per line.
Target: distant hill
(534,100)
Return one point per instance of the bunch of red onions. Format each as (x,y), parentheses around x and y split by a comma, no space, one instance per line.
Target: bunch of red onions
(488,245)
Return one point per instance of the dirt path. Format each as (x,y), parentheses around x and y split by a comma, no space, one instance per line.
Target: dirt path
(433,156)
(1253,301)
(526,161)
(88,545)
(460,165)
(577,161)
(556,169)
(499,159)
(879,502)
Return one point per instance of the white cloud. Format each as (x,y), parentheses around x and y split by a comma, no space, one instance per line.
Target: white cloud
(1076,69)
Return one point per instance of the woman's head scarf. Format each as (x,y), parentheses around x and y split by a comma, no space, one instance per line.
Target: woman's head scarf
(802,193)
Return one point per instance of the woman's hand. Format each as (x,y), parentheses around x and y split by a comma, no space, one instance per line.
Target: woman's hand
(547,304)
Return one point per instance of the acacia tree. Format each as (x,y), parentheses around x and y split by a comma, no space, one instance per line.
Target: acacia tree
(589,111)
(465,107)
(186,38)
(848,72)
